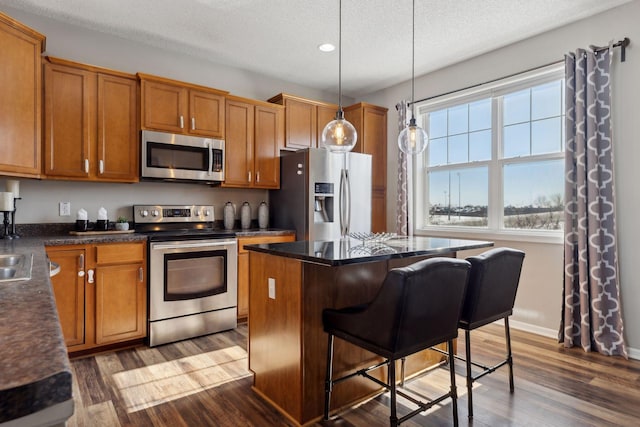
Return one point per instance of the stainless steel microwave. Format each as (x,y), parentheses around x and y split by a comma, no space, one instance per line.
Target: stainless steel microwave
(176,157)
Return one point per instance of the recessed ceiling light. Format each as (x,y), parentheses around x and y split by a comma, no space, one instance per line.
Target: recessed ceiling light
(327,47)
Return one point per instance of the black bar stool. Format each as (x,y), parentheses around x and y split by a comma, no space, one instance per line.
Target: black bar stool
(491,294)
(417,307)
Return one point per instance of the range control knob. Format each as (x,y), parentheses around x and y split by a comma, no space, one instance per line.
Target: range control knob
(144,213)
(155,212)
(207,212)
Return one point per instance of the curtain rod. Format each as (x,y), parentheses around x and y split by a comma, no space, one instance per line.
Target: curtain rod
(621,43)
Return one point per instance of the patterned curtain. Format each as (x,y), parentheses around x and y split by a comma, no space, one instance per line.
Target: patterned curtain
(402,205)
(591,312)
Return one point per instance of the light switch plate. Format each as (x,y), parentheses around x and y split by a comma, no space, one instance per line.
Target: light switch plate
(65,208)
(272,288)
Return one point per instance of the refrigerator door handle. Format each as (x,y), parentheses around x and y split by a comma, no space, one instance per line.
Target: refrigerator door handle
(345,203)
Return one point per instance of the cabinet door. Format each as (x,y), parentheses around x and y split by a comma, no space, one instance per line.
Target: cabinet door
(69,291)
(21,89)
(238,144)
(374,139)
(120,303)
(206,114)
(324,115)
(164,106)
(243,285)
(301,124)
(378,211)
(269,129)
(69,120)
(117,139)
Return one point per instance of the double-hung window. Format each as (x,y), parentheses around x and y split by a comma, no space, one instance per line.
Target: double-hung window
(495,159)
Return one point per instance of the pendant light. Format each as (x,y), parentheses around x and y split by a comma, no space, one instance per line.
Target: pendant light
(413,139)
(339,135)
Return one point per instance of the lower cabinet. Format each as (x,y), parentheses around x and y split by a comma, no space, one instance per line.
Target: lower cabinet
(101,293)
(243,267)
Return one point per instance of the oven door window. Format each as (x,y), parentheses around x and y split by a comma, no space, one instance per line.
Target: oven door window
(168,156)
(195,274)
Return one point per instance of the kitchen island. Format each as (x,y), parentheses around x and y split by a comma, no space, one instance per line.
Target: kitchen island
(290,284)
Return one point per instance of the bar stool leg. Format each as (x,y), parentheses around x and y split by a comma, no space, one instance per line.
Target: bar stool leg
(467,346)
(507,336)
(454,389)
(393,419)
(328,378)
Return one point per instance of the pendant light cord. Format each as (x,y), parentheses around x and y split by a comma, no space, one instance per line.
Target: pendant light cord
(413,55)
(340,55)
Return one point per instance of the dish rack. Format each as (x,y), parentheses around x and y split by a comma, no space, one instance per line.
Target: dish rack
(367,238)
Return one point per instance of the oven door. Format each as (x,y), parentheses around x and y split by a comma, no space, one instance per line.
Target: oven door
(181,157)
(192,276)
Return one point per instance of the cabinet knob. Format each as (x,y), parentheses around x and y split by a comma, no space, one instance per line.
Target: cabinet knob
(90,276)
(257,176)
(193,123)
(181,122)
(86,165)
(249,176)
(140,275)
(101,166)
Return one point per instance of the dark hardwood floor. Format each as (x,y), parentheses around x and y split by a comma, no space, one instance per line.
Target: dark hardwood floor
(205,382)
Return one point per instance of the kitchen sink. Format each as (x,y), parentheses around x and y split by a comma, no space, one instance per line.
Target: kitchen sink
(14,267)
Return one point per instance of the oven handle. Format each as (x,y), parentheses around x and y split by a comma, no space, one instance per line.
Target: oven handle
(155,246)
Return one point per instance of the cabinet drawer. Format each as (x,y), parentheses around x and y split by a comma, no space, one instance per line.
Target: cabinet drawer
(262,239)
(119,253)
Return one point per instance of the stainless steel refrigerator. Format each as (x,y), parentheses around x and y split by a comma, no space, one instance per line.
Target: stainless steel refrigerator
(310,199)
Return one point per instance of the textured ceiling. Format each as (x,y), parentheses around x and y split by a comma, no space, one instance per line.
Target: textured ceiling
(279,38)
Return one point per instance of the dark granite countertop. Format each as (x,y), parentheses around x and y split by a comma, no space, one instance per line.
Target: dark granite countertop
(34,366)
(351,251)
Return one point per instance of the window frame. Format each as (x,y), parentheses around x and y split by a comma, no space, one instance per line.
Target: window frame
(495,217)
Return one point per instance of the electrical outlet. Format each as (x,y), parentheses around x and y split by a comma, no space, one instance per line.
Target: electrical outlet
(272,288)
(65,208)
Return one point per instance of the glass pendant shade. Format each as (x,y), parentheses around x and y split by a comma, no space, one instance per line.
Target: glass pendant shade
(339,136)
(413,139)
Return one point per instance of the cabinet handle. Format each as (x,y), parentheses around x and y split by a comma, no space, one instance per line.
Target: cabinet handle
(249,176)
(86,165)
(101,166)
(81,265)
(90,278)
(140,275)
(257,176)
(181,122)
(193,123)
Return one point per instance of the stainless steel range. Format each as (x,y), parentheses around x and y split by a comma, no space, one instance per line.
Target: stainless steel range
(193,279)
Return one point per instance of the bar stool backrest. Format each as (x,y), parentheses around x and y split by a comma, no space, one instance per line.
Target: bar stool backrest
(493,284)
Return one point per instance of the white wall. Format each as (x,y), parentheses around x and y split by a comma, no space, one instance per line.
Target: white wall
(539,297)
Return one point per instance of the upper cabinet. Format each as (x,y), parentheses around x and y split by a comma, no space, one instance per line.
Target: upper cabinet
(254,137)
(91,128)
(304,120)
(21,94)
(177,107)
(370,122)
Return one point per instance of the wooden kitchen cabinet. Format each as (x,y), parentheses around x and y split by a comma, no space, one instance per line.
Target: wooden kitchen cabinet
(101,293)
(91,128)
(243,267)
(304,120)
(21,94)
(370,122)
(178,107)
(254,136)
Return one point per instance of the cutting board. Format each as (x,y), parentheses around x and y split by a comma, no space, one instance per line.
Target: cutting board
(95,233)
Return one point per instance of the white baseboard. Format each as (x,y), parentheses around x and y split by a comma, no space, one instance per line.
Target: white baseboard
(633,353)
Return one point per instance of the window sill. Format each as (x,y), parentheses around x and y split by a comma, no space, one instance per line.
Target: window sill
(515,236)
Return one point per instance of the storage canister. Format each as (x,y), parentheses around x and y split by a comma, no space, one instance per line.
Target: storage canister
(228,216)
(245,215)
(263,215)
